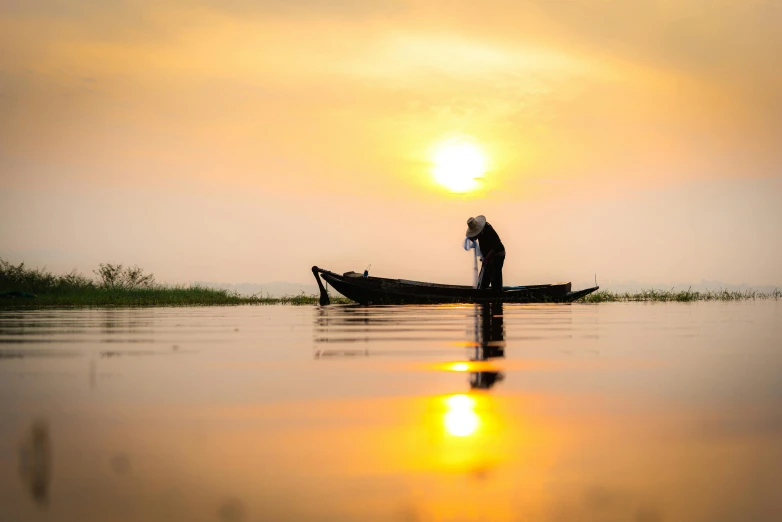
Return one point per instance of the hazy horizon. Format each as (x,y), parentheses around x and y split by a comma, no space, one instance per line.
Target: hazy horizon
(250,141)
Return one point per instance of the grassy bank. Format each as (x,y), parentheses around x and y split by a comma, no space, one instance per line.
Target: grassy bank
(162,296)
(114,285)
(686,296)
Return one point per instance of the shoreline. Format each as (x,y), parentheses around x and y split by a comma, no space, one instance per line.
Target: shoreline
(23,288)
(185,297)
(684,296)
(116,285)
(196,296)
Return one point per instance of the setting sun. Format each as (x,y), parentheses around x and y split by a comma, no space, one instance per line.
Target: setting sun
(458,164)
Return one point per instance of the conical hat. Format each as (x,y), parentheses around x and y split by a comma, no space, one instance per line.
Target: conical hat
(475,226)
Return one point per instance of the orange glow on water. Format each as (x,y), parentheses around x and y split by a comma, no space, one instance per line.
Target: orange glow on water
(465,366)
(460,418)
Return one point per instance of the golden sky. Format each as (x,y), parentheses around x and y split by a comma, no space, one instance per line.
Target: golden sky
(246,141)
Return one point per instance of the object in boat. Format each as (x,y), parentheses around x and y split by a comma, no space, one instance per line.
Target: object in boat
(382,291)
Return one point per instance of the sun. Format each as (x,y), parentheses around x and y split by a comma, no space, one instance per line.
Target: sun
(458,164)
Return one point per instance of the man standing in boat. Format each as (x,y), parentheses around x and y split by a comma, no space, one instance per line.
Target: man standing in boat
(492,250)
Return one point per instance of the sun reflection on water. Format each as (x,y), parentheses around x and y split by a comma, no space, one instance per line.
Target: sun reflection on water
(460,367)
(460,418)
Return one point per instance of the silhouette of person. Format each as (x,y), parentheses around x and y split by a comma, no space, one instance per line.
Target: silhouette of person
(492,249)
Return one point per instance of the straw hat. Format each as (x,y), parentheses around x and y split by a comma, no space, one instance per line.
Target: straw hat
(475,226)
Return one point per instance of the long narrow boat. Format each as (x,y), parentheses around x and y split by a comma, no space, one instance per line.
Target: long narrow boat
(378,290)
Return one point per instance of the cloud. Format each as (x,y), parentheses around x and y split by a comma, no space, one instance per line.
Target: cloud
(555,89)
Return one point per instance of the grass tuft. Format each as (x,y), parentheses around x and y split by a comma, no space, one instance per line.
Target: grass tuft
(686,296)
(23,287)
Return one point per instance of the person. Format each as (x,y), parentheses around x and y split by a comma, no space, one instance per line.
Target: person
(492,249)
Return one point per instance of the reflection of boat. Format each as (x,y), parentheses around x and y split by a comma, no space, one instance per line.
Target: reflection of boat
(489,343)
(359,325)
(379,290)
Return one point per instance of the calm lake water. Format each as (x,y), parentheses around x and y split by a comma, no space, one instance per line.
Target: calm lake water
(612,412)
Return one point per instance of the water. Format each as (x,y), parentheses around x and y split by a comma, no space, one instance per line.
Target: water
(612,412)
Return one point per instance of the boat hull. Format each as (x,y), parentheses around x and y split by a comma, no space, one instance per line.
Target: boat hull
(382,291)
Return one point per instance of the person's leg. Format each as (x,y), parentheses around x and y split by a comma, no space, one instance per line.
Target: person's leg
(496,280)
(487,274)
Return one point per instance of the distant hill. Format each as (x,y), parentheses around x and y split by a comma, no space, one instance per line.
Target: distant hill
(273,289)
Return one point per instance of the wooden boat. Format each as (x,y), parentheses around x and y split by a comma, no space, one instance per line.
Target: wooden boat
(381,291)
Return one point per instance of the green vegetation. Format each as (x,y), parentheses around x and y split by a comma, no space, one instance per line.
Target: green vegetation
(116,285)
(686,296)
